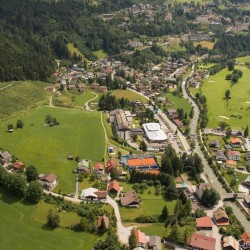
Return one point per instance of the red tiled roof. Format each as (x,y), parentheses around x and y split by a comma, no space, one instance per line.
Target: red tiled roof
(114,185)
(111,163)
(99,166)
(106,221)
(18,165)
(236,140)
(231,162)
(202,242)
(49,178)
(140,237)
(233,153)
(204,222)
(245,237)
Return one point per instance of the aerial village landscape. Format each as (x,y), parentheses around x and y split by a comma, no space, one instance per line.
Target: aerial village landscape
(148,148)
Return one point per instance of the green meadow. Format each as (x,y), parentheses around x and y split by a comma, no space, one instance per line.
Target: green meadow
(79,133)
(219,109)
(23,228)
(119,93)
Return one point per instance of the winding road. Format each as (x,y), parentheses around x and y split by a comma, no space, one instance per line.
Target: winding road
(208,172)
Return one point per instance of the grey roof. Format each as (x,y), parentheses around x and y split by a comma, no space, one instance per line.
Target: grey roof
(5,155)
(155,242)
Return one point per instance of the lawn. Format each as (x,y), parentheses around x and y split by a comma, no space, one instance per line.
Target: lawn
(205,44)
(119,93)
(243,59)
(79,133)
(23,228)
(73,49)
(100,54)
(219,109)
(21,97)
(154,229)
(178,102)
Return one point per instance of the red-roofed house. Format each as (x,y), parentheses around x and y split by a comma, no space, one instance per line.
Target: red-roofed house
(48,181)
(18,166)
(105,219)
(221,217)
(202,242)
(140,239)
(231,164)
(114,186)
(111,164)
(204,223)
(99,168)
(236,142)
(245,240)
(233,155)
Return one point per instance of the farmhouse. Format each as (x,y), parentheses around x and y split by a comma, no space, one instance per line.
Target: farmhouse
(140,162)
(18,166)
(111,164)
(121,120)
(140,239)
(154,133)
(245,240)
(5,156)
(233,155)
(236,142)
(48,181)
(129,199)
(93,194)
(202,242)
(83,166)
(99,168)
(105,219)
(114,187)
(154,243)
(230,164)
(204,223)
(221,217)
(230,243)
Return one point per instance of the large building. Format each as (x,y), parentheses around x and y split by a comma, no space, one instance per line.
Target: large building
(140,162)
(121,120)
(154,133)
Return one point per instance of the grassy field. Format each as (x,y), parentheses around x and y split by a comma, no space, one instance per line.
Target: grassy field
(243,59)
(154,229)
(205,44)
(21,96)
(73,49)
(79,133)
(214,89)
(100,54)
(178,102)
(119,93)
(22,228)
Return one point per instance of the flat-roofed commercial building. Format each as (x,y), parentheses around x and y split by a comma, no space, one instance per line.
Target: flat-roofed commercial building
(154,133)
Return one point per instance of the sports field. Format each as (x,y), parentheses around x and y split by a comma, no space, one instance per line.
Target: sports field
(79,133)
(219,109)
(23,228)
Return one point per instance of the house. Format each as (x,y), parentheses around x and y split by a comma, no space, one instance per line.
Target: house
(99,168)
(81,87)
(204,223)
(103,89)
(105,219)
(48,181)
(247,200)
(236,142)
(114,187)
(233,155)
(245,240)
(247,155)
(129,199)
(214,144)
(220,216)
(83,166)
(201,188)
(219,156)
(93,194)
(18,166)
(5,156)
(202,242)
(140,239)
(230,243)
(111,164)
(95,86)
(230,164)
(154,243)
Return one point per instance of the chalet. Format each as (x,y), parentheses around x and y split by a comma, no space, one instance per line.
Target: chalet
(154,243)
(201,188)
(50,88)
(230,243)
(93,194)
(111,164)
(236,142)
(204,223)
(81,87)
(140,239)
(233,155)
(220,216)
(83,166)
(202,242)
(247,200)
(103,89)
(48,181)
(129,199)
(214,144)
(114,187)
(247,155)
(18,166)
(95,86)
(245,240)
(105,219)
(230,164)
(219,155)
(99,168)
(5,156)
